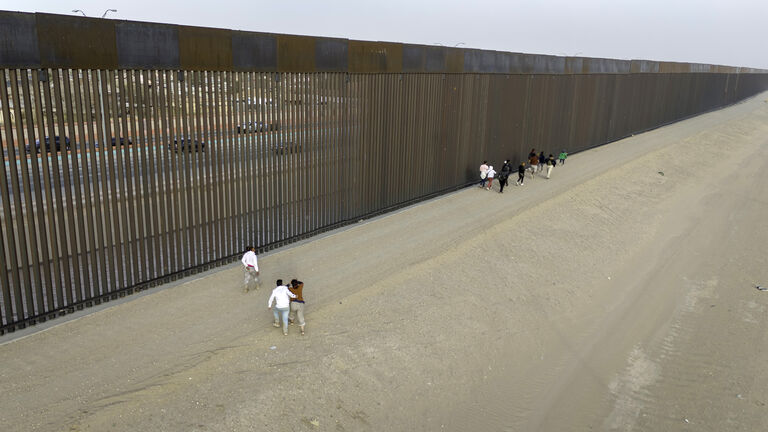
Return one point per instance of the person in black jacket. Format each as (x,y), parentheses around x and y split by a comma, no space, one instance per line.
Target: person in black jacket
(521,174)
(504,176)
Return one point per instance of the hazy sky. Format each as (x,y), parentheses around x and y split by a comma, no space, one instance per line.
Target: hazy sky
(726,32)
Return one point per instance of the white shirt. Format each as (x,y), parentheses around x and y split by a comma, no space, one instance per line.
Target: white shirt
(491,173)
(249,260)
(281,296)
(483,168)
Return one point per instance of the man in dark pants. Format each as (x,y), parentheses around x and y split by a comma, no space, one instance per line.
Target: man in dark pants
(521,174)
(504,175)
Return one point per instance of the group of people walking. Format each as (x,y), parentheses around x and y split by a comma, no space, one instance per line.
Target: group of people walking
(536,163)
(288,299)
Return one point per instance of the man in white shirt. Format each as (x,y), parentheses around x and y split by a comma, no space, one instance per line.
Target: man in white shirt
(251,265)
(282,298)
(483,173)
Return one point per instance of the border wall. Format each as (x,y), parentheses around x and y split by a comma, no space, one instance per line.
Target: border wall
(138,153)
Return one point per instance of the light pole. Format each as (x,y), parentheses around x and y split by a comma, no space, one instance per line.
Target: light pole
(78,10)
(460,43)
(107,11)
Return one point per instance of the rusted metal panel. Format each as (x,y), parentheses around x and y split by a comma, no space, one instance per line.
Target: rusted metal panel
(18,40)
(574,65)
(673,67)
(375,56)
(254,51)
(644,66)
(147,46)
(454,60)
(482,61)
(414,58)
(331,55)
(295,53)
(606,66)
(435,59)
(205,48)
(76,42)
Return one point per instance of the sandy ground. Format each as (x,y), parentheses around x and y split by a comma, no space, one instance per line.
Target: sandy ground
(618,295)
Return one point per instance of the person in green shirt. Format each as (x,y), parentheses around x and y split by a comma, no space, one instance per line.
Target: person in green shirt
(563,156)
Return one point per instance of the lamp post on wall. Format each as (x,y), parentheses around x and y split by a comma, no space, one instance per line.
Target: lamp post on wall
(460,43)
(108,11)
(78,10)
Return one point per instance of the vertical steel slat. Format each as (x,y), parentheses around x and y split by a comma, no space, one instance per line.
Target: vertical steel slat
(6,311)
(277,157)
(191,186)
(220,204)
(111,130)
(23,242)
(342,99)
(11,290)
(438,112)
(411,143)
(166,173)
(82,191)
(95,167)
(291,175)
(158,183)
(366,141)
(174,140)
(327,155)
(244,146)
(139,156)
(126,160)
(262,237)
(337,153)
(359,123)
(423,128)
(254,173)
(107,191)
(390,135)
(284,164)
(72,180)
(288,177)
(200,161)
(30,203)
(262,155)
(182,173)
(231,168)
(71,265)
(378,186)
(165,155)
(226,165)
(186,173)
(56,204)
(297,174)
(274,158)
(314,154)
(209,195)
(241,186)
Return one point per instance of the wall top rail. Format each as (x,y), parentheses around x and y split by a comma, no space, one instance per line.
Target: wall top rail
(41,40)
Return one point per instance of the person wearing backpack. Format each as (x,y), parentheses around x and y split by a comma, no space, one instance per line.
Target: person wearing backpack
(504,176)
(533,164)
(550,164)
(491,175)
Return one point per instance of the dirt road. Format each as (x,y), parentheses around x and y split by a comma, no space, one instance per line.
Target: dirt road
(618,295)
